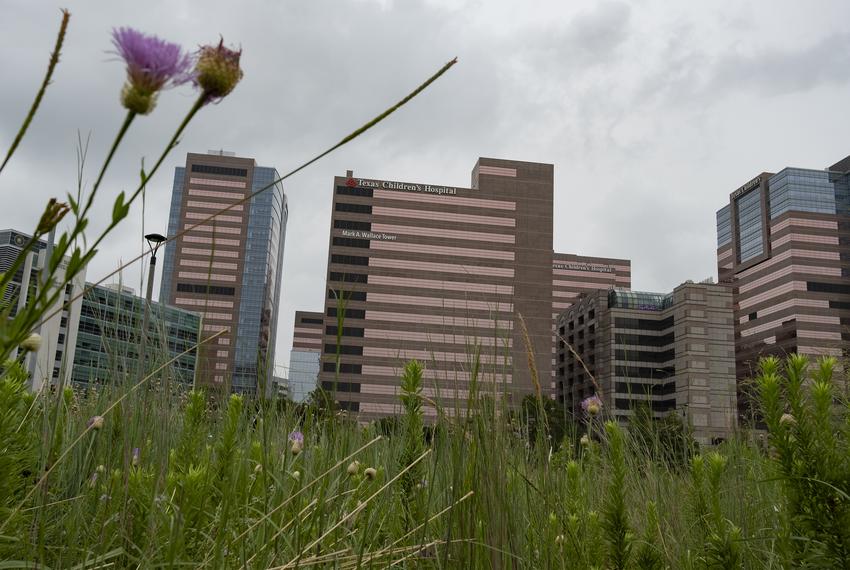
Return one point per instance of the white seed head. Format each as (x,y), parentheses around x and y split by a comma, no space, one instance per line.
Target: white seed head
(32,343)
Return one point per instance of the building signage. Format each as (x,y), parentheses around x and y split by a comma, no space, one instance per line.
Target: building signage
(584,267)
(369,235)
(748,186)
(406,187)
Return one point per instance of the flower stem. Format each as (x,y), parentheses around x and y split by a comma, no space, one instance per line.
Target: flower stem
(121,132)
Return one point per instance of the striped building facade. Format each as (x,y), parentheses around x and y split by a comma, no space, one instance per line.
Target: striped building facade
(228,269)
(439,274)
(304,359)
(573,275)
(783,246)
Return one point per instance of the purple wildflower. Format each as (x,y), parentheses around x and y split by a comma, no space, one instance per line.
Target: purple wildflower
(152,65)
(217,71)
(137,456)
(591,405)
(297,439)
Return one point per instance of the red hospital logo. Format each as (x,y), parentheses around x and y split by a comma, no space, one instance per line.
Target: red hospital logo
(351,183)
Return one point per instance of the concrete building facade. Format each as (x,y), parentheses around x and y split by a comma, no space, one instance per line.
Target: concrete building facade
(783,248)
(306,353)
(52,362)
(439,274)
(674,352)
(573,275)
(228,269)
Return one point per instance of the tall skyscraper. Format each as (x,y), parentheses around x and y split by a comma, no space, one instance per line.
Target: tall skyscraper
(228,269)
(672,352)
(439,274)
(305,357)
(783,248)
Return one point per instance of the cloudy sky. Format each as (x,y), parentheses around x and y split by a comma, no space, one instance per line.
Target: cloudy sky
(651,111)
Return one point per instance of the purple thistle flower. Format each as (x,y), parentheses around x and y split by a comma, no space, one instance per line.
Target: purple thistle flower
(592,405)
(296,436)
(152,65)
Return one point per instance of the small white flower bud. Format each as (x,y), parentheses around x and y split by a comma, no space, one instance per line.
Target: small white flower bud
(32,343)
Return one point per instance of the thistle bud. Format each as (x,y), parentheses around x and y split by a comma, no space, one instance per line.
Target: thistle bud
(32,343)
(217,71)
(95,423)
(353,468)
(370,473)
(787,419)
(584,441)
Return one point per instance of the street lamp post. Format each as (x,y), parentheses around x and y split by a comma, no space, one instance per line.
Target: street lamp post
(154,241)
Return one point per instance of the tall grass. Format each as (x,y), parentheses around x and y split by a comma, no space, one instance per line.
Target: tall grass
(208,484)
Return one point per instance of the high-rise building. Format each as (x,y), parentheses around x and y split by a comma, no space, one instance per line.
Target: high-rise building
(573,275)
(108,341)
(228,269)
(671,352)
(783,247)
(52,362)
(440,274)
(304,359)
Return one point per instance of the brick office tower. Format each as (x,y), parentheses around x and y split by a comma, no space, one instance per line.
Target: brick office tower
(783,246)
(573,275)
(674,352)
(305,356)
(430,272)
(228,269)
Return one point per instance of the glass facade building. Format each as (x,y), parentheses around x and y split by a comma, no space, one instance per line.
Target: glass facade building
(787,262)
(108,340)
(750,226)
(228,266)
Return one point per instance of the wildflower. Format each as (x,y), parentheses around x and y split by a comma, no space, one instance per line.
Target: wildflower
(137,457)
(95,423)
(32,343)
(584,441)
(152,65)
(370,473)
(591,405)
(93,480)
(297,440)
(353,468)
(258,468)
(296,475)
(559,539)
(100,469)
(217,71)
(787,419)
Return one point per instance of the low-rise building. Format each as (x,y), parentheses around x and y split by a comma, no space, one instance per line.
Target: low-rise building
(674,352)
(304,359)
(108,341)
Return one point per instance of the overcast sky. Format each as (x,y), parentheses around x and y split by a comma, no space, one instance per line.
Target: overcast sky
(651,111)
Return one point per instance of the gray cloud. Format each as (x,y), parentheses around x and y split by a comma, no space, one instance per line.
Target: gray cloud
(645,108)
